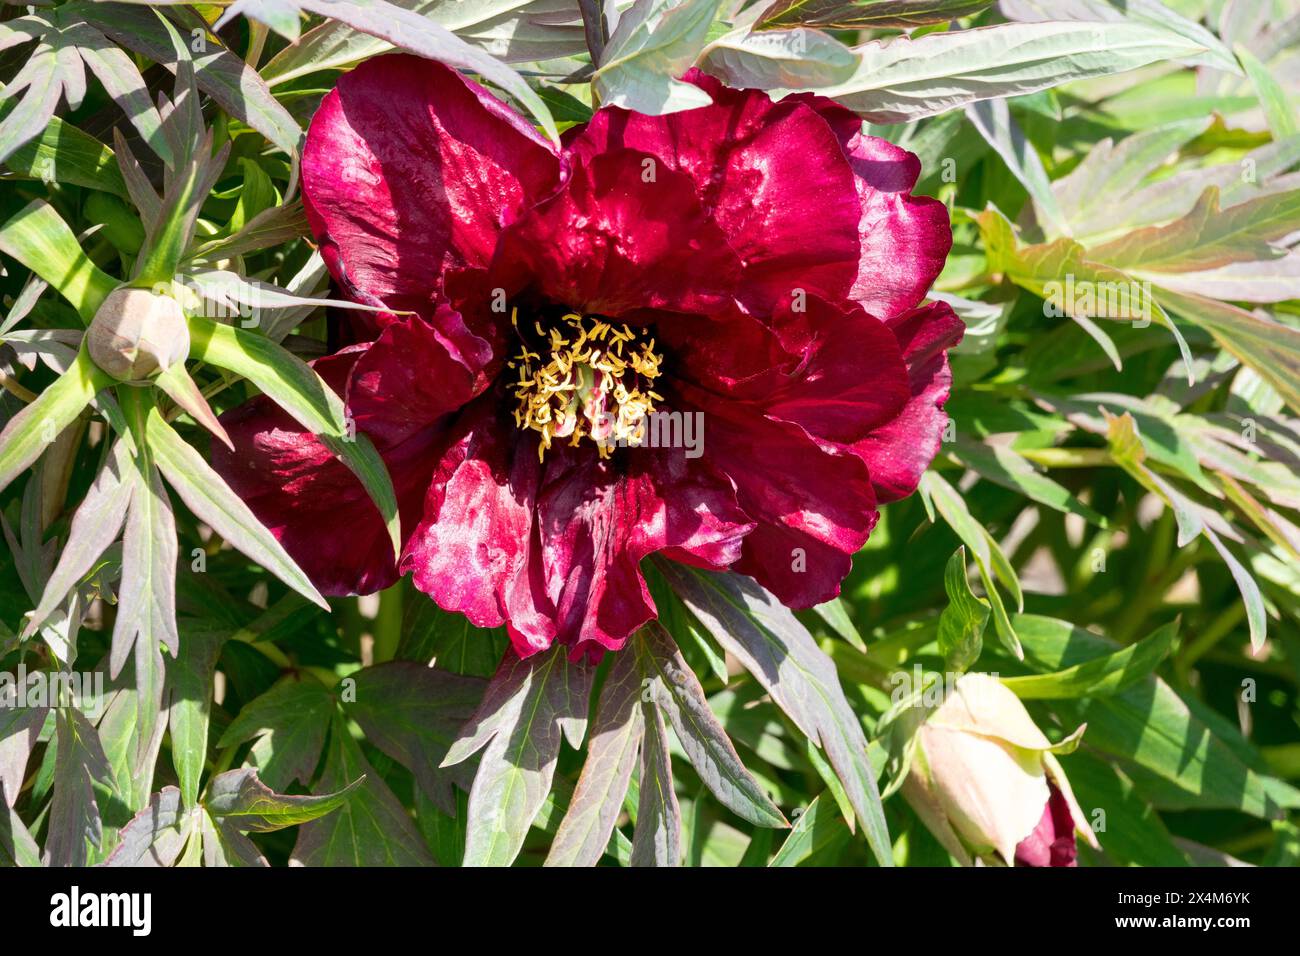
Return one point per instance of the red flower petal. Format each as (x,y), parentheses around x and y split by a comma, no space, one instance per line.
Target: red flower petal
(475,549)
(311,502)
(840,375)
(413,375)
(814,507)
(899,451)
(771,175)
(904,238)
(1052,843)
(409,170)
(613,243)
(599,520)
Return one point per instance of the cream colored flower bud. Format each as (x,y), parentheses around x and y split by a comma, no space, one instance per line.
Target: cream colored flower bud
(138,333)
(984,780)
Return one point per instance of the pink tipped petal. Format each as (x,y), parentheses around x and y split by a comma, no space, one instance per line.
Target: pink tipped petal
(771,175)
(310,501)
(411,169)
(898,452)
(618,240)
(598,522)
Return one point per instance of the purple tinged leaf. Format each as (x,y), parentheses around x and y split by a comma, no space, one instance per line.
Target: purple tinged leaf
(370,829)
(412,713)
(223,845)
(17,847)
(95,526)
(772,645)
(680,697)
(155,836)
(583,834)
(657,838)
(19,729)
(75,825)
(219,73)
(292,718)
(529,704)
(238,797)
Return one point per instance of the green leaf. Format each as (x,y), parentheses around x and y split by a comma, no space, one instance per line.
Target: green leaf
(37,426)
(370,829)
(773,646)
(64,154)
(906,78)
(291,384)
(1101,675)
(39,238)
(291,720)
(986,551)
(817,831)
(207,495)
(867,14)
(238,797)
(616,733)
(657,836)
(412,713)
(1007,467)
(529,704)
(1207,237)
(655,42)
(1269,347)
(1150,725)
(794,59)
(190,686)
(962,623)
(678,694)
(1277,106)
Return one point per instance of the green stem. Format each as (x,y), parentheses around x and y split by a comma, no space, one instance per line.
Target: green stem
(388,624)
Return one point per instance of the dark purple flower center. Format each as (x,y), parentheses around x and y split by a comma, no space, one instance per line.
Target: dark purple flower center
(584,377)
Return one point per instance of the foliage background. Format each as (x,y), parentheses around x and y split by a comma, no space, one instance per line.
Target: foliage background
(1102,480)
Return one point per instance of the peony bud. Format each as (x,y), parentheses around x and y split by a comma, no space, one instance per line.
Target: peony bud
(985,781)
(137,333)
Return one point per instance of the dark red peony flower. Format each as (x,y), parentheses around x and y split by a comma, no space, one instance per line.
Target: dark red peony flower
(699,335)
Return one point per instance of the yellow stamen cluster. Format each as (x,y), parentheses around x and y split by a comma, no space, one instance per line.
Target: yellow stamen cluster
(597,381)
